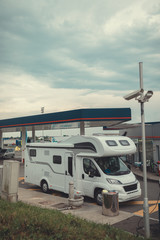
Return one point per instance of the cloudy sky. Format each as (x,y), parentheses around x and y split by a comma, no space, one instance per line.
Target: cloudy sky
(70,54)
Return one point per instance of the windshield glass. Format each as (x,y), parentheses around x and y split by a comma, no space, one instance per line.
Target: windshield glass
(112,165)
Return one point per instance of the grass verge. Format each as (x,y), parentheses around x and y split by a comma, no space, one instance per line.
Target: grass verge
(22,221)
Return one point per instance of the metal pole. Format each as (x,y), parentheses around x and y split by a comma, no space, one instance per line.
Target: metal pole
(42,111)
(145,204)
(24,133)
(1,139)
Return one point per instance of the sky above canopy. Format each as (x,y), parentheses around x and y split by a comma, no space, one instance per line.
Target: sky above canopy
(69,54)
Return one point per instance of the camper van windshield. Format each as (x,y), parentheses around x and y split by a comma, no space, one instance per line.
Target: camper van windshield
(112,165)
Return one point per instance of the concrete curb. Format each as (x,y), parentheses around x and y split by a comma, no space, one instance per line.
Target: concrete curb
(149,178)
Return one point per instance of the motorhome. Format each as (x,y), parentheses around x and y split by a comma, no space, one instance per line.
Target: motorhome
(92,163)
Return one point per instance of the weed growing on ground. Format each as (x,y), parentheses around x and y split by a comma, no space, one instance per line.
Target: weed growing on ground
(22,221)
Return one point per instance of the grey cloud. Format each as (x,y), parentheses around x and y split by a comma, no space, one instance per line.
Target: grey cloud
(29,35)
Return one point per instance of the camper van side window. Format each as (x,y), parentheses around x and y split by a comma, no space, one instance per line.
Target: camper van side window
(32,152)
(57,159)
(124,142)
(111,143)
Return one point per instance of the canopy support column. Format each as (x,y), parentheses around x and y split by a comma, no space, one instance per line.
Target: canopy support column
(33,134)
(24,135)
(1,139)
(82,128)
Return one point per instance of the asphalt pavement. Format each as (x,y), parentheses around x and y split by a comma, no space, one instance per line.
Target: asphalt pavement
(135,224)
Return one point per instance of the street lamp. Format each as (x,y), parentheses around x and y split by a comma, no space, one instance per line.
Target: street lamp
(139,95)
(42,111)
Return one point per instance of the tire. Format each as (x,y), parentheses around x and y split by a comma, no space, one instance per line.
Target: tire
(44,186)
(98,196)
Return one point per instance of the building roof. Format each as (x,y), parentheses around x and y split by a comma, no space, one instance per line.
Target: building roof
(92,117)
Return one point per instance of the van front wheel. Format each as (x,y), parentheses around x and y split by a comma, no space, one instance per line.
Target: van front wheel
(98,196)
(44,186)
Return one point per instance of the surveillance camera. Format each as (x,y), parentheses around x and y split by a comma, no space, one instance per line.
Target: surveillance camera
(134,94)
(147,96)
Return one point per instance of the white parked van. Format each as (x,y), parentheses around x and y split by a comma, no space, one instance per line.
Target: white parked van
(93,163)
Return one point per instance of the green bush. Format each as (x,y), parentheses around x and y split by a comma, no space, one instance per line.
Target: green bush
(22,221)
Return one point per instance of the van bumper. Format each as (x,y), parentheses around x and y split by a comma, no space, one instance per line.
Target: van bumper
(128,191)
(129,196)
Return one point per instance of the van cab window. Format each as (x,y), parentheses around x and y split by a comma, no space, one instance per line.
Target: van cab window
(112,165)
(89,167)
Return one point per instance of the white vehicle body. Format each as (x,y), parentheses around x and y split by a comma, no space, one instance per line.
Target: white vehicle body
(92,163)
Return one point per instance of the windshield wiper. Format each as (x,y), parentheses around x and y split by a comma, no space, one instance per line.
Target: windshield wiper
(122,172)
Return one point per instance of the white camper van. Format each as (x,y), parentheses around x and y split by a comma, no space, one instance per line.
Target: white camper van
(93,163)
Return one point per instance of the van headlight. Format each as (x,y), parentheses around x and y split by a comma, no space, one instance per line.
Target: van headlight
(113,181)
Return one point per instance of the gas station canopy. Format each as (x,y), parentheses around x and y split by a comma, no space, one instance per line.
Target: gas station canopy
(91,117)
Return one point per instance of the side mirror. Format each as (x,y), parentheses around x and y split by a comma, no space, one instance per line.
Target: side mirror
(129,167)
(91,173)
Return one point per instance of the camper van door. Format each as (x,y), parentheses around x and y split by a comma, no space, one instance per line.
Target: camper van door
(90,176)
(69,170)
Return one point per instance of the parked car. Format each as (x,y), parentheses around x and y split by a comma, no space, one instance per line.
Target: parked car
(7,153)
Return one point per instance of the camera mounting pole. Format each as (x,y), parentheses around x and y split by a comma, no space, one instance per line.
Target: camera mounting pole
(139,95)
(145,204)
